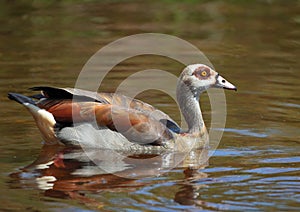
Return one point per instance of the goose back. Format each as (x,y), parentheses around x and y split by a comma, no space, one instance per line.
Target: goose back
(136,120)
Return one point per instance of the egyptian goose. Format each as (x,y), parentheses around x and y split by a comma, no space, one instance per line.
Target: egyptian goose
(111,121)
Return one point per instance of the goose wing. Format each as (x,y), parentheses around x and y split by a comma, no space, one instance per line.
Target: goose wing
(139,122)
(109,98)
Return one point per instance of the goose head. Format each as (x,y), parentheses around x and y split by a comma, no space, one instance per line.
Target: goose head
(200,77)
(194,80)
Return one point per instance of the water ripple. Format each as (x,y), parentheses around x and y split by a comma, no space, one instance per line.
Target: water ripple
(247,132)
(281,160)
(271,170)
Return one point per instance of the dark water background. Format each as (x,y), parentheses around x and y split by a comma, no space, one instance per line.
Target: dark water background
(254,44)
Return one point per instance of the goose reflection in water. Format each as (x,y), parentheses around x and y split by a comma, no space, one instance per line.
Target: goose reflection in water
(74,173)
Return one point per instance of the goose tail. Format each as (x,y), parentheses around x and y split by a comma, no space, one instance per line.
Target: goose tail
(44,119)
(20,98)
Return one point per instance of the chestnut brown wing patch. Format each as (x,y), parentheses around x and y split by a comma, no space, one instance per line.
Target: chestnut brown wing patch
(135,125)
(63,111)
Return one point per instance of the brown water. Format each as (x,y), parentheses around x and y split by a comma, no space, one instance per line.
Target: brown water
(254,44)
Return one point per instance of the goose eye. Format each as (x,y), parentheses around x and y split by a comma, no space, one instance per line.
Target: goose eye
(203,73)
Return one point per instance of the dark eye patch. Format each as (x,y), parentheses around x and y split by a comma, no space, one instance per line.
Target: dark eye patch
(202,73)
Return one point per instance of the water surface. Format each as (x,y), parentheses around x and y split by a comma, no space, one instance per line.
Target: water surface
(255,45)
